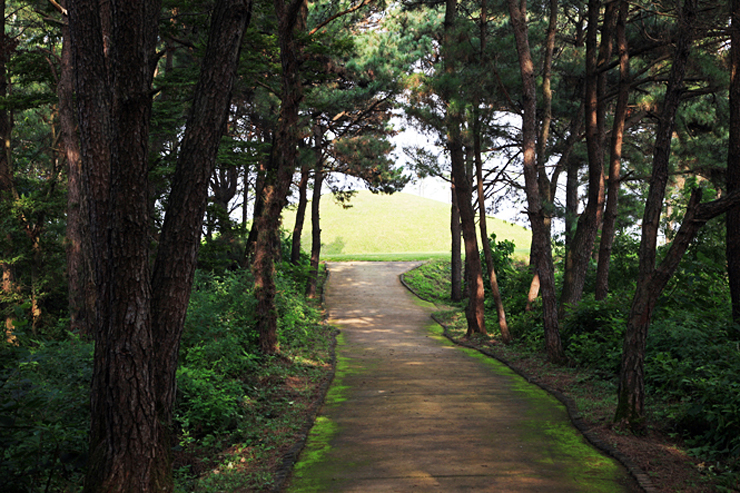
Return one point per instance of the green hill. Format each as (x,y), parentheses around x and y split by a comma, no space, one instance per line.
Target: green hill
(398,226)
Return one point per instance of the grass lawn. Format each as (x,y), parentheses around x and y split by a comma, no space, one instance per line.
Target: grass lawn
(393,227)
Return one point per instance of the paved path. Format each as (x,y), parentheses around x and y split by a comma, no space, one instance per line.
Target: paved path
(408,411)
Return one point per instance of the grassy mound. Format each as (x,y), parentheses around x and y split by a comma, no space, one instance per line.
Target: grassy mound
(393,227)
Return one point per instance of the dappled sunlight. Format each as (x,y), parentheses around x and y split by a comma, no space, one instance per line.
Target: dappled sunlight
(421,415)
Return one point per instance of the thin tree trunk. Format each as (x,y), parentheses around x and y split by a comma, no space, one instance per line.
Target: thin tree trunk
(300,216)
(535,210)
(259,207)
(580,248)
(456,292)
(543,182)
(488,256)
(733,164)
(631,393)
(279,177)
(620,115)
(475,312)
(79,268)
(7,185)
(318,183)
(174,267)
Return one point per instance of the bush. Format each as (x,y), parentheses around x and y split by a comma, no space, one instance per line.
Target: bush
(592,335)
(694,371)
(44,415)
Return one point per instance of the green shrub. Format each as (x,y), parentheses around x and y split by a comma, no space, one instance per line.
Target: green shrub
(44,415)
(592,335)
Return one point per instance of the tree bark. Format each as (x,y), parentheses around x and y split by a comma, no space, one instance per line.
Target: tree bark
(733,164)
(259,206)
(279,176)
(79,268)
(124,431)
(139,319)
(300,216)
(580,248)
(631,393)
(475,313)
(540,237)
(608,228)
(487,255)
(456,290)
(318,183)
(174,267)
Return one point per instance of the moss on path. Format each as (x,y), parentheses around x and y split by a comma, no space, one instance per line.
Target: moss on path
(408,411)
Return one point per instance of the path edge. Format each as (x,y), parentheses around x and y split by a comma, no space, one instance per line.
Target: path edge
(643,480)
(285,470)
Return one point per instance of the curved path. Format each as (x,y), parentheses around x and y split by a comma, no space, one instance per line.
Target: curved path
(408,411)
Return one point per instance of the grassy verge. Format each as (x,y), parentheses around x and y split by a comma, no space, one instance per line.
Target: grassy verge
(277,398)
(388,257)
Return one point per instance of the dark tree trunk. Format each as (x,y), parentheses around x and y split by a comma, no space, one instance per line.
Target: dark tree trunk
(460,184)
(138,320)
(580,248)
(547,189)
(475,312)
(540,237)
(79,268)
(279,177)
(175,264)
(493,281)
(224,182)
(123,437)
(318,183)
(300,216)
(7,186)
(456,290)
(571,199)
(620,115)
(631,405)
(259,207)
(733,164)
(631,394)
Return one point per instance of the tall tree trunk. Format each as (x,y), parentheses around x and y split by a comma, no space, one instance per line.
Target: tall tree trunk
(79,268)
(279,176)
(123,437)
(259,207)
(456,290)
(581,246)
(487,255)
(318,183)
(475,313)
(8,192)
(733,164)
(300,216)
(631,393)
(546,190)
(174,267)
(540,237)
(138,320)
(620,115)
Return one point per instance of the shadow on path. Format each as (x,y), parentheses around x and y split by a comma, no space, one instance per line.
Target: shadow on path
(408,411)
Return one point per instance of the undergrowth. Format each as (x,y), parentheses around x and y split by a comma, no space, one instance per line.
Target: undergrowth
(236,411)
